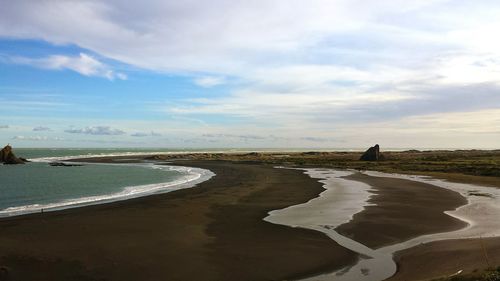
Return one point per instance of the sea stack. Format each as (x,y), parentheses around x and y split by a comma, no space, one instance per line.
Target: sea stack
(372,154)
(8,157)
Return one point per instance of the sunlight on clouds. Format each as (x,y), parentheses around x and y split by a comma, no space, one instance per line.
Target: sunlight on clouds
(229,36)
(469,69)
(283,106)
(483,121)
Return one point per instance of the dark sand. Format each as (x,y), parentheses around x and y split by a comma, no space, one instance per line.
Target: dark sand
(443,258)
(404,209)
(211,232)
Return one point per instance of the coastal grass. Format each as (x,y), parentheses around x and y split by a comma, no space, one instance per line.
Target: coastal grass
(466,166)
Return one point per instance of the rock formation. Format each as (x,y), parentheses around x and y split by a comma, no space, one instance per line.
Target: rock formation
(372,154)
(8,157)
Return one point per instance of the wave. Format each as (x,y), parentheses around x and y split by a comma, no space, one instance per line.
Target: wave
(192,177)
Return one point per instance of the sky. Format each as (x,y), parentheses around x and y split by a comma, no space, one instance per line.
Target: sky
(250,74)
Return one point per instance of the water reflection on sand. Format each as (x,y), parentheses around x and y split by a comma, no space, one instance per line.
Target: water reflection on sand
(343,198)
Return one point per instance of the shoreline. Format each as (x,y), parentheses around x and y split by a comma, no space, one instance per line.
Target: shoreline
(200,227)
(192,177)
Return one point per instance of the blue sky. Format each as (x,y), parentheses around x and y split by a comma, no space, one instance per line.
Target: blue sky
(330,74)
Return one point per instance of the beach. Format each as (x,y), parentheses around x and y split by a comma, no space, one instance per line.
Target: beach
(213,231)
(451,256)
(216,230)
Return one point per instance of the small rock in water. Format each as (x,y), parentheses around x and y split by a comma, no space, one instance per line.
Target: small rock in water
(8,157)
(61,164)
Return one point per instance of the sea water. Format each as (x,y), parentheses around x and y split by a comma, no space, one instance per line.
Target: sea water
(37,186)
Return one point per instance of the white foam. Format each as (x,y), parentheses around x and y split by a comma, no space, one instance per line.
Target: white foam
(193,176)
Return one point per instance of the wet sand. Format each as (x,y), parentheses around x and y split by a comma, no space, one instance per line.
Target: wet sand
(213,231)
(401,209)
(444,258)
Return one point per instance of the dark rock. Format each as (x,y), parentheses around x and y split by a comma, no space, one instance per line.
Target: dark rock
(24,159)
(372,154)
(61,164)
(7,156)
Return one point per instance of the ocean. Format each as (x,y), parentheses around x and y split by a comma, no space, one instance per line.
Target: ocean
(38,186)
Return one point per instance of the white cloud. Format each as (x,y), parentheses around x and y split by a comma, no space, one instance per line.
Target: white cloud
(37,138)
(313,66)
(41,128)
(143,134)
(98,130)
(140,134)
(350,40)
(244,138)
(467,129)
(209,81)
(228,37)
(470,122)
(469,69)
(83,64)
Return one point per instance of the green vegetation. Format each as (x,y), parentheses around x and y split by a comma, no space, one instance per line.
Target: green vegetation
(475,166)
(476,163)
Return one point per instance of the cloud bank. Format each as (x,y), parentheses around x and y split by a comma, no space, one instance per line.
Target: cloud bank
(41,129)
(98,130)
(143,134)
(37,138)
